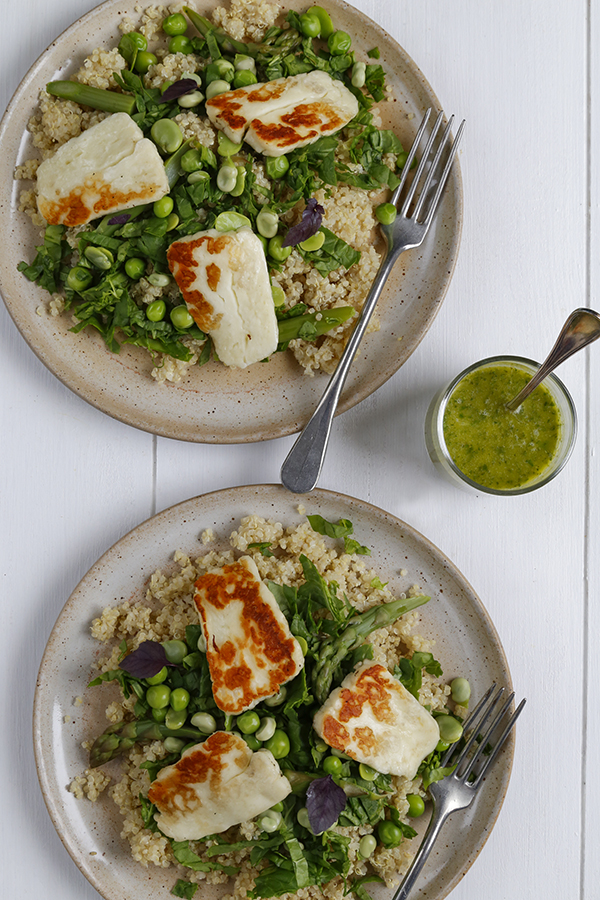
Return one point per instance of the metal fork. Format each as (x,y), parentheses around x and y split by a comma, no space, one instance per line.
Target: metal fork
(459,789)
(302,467)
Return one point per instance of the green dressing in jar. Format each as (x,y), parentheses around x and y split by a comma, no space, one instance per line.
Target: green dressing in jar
(492,446)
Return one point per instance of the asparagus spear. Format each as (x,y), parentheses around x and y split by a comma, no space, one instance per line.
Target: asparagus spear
(334,649)
(97,98)
(121,737)
(293,327)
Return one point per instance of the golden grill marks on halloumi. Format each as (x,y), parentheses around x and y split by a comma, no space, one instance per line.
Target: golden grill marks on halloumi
(215,785)
(250,649)
(373,719)
(107,168)
(225,283)
(278,116)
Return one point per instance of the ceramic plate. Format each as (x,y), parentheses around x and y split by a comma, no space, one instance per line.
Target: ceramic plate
(215,404)
(466,644)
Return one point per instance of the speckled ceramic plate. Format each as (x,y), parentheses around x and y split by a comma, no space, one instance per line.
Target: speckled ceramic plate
(215,404)
(466,644)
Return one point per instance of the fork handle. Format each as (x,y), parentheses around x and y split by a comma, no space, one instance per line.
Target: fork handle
(433,829)
(302,466)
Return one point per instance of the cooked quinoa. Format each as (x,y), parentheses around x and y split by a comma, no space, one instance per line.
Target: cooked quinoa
(164,614)
(348,210)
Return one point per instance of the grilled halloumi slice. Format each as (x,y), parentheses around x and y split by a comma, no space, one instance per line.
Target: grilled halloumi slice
(107,168)
(278,116)
(225,283)
(373,719)
(215,785)
(250,649)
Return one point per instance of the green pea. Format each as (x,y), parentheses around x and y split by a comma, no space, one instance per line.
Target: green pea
(366,772)
(159,279)
(180,699)
(163,208)
(252,741)
(174,24)
(267,222)
(278,807)
(332,765)
(217,87)
(174,745)
(267,729)
(99,257)
(190,100)
(181,44)
(159,677)
(314,242)
(276,166)
(79,278)
(159,715)
(367,846)
(144,60)
(172,221)
(248,722)
(310,25)
(198,177)
(416,805)
(277,250)
(231,220)
(450,729)
(227,147)
(321,747)
(135,267)
(441,746)
(359,74)
(339,43)
(156,310)
(389,834)
(244,78)
(324,19)
(386,213)
(167,135)
(227,178)
(279,744)
(131,44)
(204,722)
(279,300)
(461,691)
(175,651)
(181,318)
(175,719)
(158,696)
(277,698)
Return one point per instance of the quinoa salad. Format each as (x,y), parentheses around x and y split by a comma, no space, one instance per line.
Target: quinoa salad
(342,824)
(314,209)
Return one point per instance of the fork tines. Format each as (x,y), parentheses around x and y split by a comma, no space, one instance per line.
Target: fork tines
(429,169)
(485,733)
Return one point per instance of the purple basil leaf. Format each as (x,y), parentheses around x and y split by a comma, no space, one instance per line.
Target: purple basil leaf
(178,89)
(119,219)
(146,661)
(309,225)
(325,800)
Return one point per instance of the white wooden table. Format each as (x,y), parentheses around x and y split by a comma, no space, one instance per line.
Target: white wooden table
(72,480)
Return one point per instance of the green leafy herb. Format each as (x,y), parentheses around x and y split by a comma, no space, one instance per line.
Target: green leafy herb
(184,889)
(263,547)
(410,671)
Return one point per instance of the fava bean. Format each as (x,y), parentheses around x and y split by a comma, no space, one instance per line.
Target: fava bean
(277,250)
(226,147)
(144,60)
(99,257)
(252,741)
(270,821)
(175,651)
(276,166)
(172,221)
(310,26)
(217,87)
(367,846)
(159,715)
(279,300)
(240,182)
(267,729)
(191,161)
(159,279)
(450,729)
(197,177)
(278,744)
(174,745)
(231,220)
(243,63)
(314,242)
(227,178)
(175,719)
(359,74)
(267,222)
(366,772)
(324,19)
(167,135)
(224,68)
(277,698)
(190,100)
(299,638)
(460,691)
(204,722)
(339,43)
(244,78)
(248,722)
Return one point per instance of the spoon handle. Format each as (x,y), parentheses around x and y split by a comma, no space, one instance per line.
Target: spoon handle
(581,328)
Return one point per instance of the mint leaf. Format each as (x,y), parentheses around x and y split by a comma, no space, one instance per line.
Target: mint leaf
(184,889)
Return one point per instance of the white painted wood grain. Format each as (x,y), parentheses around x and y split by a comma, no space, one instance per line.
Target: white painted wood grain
(72,480)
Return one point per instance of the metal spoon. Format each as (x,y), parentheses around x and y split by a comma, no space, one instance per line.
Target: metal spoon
(581,328)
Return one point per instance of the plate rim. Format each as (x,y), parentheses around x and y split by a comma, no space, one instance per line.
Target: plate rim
(125,411)
(194,504)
